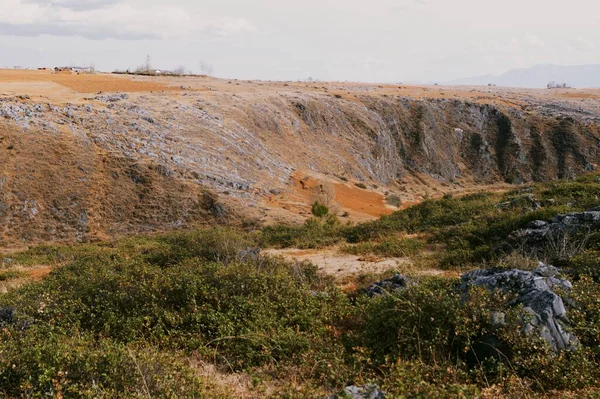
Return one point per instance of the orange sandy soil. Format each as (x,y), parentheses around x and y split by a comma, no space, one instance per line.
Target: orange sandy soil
(106,82)
(359,204)
(84,83)
(39,272)
(350,198)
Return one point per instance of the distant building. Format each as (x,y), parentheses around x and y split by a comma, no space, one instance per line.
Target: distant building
(82,69)
(74,69)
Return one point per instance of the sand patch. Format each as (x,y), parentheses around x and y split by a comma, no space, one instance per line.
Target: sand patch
(331,262)
(347,197)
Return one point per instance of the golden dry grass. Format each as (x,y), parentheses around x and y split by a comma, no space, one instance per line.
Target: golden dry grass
(84,83)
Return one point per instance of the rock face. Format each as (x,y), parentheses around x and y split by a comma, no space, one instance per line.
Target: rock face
(538,231)
(395,283)
(534,291)
(122,163)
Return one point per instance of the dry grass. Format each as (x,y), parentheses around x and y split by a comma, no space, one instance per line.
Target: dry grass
(84,83)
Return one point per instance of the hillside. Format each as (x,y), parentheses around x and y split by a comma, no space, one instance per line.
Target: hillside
(447,303)
(85,157)
(578,76)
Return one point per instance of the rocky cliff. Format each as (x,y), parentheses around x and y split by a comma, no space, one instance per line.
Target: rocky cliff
(91,166)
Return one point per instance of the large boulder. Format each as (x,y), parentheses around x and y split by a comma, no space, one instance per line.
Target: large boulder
(534,290)
(539,231)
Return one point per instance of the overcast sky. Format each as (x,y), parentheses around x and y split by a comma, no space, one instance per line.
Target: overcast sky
(375,40)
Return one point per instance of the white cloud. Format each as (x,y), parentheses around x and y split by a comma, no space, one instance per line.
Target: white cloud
(431,40)
(76,4)
(229,27)
(534,41)
(403,5)
(99,19)
(581,44)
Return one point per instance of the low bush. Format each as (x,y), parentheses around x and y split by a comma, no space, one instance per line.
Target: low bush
(210,245)
(41,362)
(264,313)
(586,264)
(11,275)
(315,233)
(319,210)
(393,200)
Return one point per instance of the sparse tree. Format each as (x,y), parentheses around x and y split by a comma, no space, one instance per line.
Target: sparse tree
(180,70)
(148,65)
(205,68)
(325,194)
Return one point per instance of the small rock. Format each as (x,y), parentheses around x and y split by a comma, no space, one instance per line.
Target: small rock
(7,316)
(395,283)
(369,391)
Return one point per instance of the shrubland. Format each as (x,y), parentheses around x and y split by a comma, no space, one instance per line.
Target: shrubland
(134,317)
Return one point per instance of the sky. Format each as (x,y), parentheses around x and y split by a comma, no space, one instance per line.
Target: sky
(338,40)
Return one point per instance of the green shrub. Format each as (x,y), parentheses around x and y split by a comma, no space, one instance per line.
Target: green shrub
(315,233)
(587,263)
(251,313)
(423,322)
(434,328)
(211,245)
(393,200)
(11,275)
(580,195)
(319,210)
(40,362)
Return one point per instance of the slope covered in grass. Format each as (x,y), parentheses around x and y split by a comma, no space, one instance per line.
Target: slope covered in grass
(135,317)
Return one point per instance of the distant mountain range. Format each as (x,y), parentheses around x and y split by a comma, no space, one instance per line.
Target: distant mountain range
(539,76)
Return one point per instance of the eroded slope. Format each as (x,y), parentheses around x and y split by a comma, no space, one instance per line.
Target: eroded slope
(79,165)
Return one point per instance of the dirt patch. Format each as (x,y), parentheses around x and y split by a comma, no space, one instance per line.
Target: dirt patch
(39,273)
(360,204)
(331,262)
(363,201)
(26,275)
(84,83)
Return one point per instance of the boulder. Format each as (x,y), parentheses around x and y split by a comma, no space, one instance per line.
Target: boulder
(539,231)
(534,290)
(369,391)
(7,316)
(392,284)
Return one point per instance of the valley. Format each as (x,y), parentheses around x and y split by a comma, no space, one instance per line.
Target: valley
(194,237)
